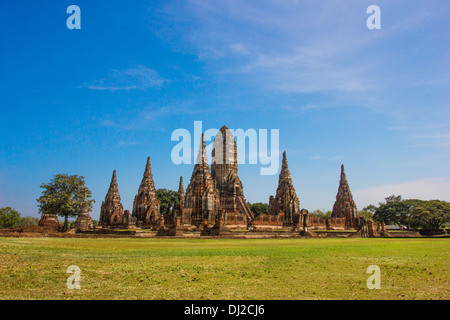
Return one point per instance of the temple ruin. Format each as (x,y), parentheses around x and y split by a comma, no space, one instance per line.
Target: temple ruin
(285,201)
(146,204)
(50,220)
(344,207)
(84,220)
(224,170)
(202,196)
(111,212)
(214,201)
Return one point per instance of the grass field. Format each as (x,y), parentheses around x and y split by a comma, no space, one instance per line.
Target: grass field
(35,268)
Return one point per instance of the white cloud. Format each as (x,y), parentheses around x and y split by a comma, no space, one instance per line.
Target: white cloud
(318,47)
(424,189)
(109,123)
(140,119)
(138,77)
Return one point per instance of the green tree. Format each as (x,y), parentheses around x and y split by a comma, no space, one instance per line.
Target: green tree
(8,217)
(392,198)
(396,212)
(259,208)
(27,222)
(321,213)
(63,196)
(366,214)
(370,208)
(168,199)
(431,214)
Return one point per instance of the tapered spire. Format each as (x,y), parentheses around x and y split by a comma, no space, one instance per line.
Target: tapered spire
(84,206)
(202,158)
(147,184)
(285,200)
(181,187)
(284,161)
(113,191)
(111,210)
(181,191)
(344,205)
(343,184)
(285,174)
(146,205)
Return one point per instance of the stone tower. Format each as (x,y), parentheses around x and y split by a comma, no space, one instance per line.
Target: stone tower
(285,200)
(146,206)
(111,212)
(224,170)
(181,191)
(344,207)
(84,220)
(201,194)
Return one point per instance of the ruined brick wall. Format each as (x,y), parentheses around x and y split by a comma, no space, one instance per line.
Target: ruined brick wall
(236,219)
(272,220)
(317,223)
(49,221)
(335,223)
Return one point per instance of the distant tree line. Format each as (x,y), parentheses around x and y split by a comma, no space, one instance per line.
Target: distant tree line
(64,194)
(10,218)
(413,213)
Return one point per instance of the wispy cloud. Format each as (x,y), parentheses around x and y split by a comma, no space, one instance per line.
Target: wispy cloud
(426,135)
(425,189)
(421,127)
(109,123)
(151,114)
(327,158)
(139,77)
(310,47)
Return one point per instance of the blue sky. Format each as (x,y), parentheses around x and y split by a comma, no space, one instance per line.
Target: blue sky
(107,96)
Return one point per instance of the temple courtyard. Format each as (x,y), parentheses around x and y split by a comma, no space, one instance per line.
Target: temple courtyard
(123,268)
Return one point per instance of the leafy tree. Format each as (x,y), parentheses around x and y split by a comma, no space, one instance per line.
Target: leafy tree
(71,224)
(63,196)
(321,213)
(366,214)
(259,208)
(392,198)
(8,217)
(370,208)
(431,214)
(396,212)
(168,199)
(27,222)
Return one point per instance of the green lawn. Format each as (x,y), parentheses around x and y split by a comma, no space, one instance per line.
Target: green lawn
(35,268)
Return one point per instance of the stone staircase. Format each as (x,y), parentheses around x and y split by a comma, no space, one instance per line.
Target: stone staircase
(246,209)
